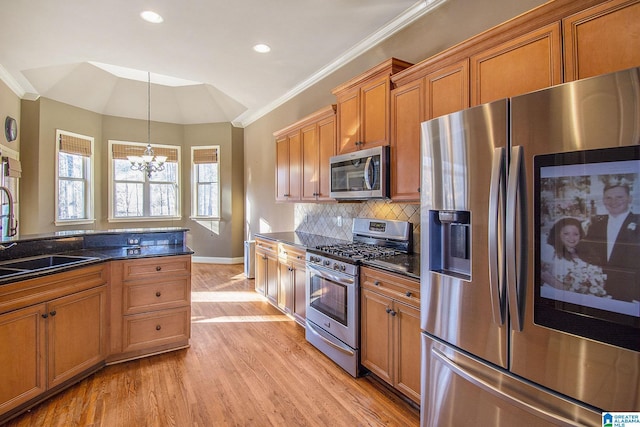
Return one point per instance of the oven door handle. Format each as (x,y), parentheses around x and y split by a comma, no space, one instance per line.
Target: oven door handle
(326,274)
(343,348)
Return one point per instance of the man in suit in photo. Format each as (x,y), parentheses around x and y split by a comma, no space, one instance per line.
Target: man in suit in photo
(613,242)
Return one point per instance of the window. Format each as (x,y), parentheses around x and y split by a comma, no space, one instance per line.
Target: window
(74,176)
(134,194)
(205,168)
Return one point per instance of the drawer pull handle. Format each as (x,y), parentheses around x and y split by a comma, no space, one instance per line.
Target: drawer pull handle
(158,294)
(158,327)
(158,268)
(408,294)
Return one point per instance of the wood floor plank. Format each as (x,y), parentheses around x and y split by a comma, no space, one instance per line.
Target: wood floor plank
(248,365)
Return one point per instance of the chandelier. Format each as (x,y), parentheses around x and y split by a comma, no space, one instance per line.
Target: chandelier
(148,162)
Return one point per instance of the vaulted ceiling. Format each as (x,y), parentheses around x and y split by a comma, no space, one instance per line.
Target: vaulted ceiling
(96,54)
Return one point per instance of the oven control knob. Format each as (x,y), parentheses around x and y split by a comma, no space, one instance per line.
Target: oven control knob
(339,267)
(327,262)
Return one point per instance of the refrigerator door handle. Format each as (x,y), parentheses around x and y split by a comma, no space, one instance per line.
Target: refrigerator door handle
(495,391)
(516,237)
(497,192)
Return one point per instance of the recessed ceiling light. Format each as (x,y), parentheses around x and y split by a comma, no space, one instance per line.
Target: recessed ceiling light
(151,16)
(261,48)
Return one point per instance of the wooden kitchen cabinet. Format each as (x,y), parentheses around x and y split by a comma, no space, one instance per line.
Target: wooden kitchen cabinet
(390,329)
(23,375)
(318,145)
(281,276)
(441,92)
(292,282)
(266,280)
(602,39)
(524,64)
(150,306)
(80,318)
(363,108)
(447,90)
(288,165)
(407,112)
(56,328)
(303,150)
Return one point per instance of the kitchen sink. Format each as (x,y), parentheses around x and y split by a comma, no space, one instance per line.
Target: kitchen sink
(4,272)
(40,263)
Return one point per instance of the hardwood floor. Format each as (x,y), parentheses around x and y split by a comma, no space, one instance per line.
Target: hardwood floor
(248,365)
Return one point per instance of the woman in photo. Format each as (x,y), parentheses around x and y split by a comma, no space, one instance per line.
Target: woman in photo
(564,269)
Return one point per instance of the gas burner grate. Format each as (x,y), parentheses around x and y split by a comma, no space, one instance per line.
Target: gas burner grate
(358,251)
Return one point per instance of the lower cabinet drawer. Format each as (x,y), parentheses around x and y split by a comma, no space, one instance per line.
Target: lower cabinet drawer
(158,295)
(143,331)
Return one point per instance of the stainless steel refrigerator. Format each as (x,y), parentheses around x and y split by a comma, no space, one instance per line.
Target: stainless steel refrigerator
(522,323)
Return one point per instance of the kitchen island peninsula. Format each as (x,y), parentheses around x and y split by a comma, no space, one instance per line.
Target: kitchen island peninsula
(72,302)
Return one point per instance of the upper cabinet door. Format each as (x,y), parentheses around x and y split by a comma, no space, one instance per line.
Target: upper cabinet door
(348,121)
(310,162)
(282,169)
(374,113)
(447,90)
(407,112)
(602,39)
(326,149)
(364,107)
(525,64)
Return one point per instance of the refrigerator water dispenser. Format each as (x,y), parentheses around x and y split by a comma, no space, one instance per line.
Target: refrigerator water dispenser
(450,243)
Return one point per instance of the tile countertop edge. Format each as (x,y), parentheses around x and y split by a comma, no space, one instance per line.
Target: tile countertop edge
(410,263)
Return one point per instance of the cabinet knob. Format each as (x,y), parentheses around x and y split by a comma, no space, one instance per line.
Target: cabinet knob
(158,327)
(45,315)
(393,313)
(158,294)
(388,310)
(408,294)
(52,313)
(158,268)
(377,283)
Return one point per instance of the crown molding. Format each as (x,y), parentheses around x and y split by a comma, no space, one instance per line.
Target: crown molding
(418,10)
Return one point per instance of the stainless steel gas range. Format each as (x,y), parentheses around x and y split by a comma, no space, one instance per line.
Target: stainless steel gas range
(333,288)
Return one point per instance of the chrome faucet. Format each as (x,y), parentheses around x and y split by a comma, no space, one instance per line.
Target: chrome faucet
(11,225)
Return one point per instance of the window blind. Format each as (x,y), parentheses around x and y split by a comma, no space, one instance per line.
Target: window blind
(121,151)
(75,145)
(205,155)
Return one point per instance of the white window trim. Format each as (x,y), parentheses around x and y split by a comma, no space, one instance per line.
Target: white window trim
(194,187)
(112,218)
(89,201)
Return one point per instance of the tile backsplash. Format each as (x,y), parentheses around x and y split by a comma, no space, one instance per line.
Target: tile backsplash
(336,219)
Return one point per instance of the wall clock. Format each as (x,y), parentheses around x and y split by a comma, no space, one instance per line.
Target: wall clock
(10,129)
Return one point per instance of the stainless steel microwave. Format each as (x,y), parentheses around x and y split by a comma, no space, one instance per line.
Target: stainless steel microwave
(360,175)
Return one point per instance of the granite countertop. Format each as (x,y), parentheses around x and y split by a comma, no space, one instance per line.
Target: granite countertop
(404,264)
(97,246)
(303,240)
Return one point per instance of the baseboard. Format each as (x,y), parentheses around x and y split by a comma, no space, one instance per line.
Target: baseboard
(217,260)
